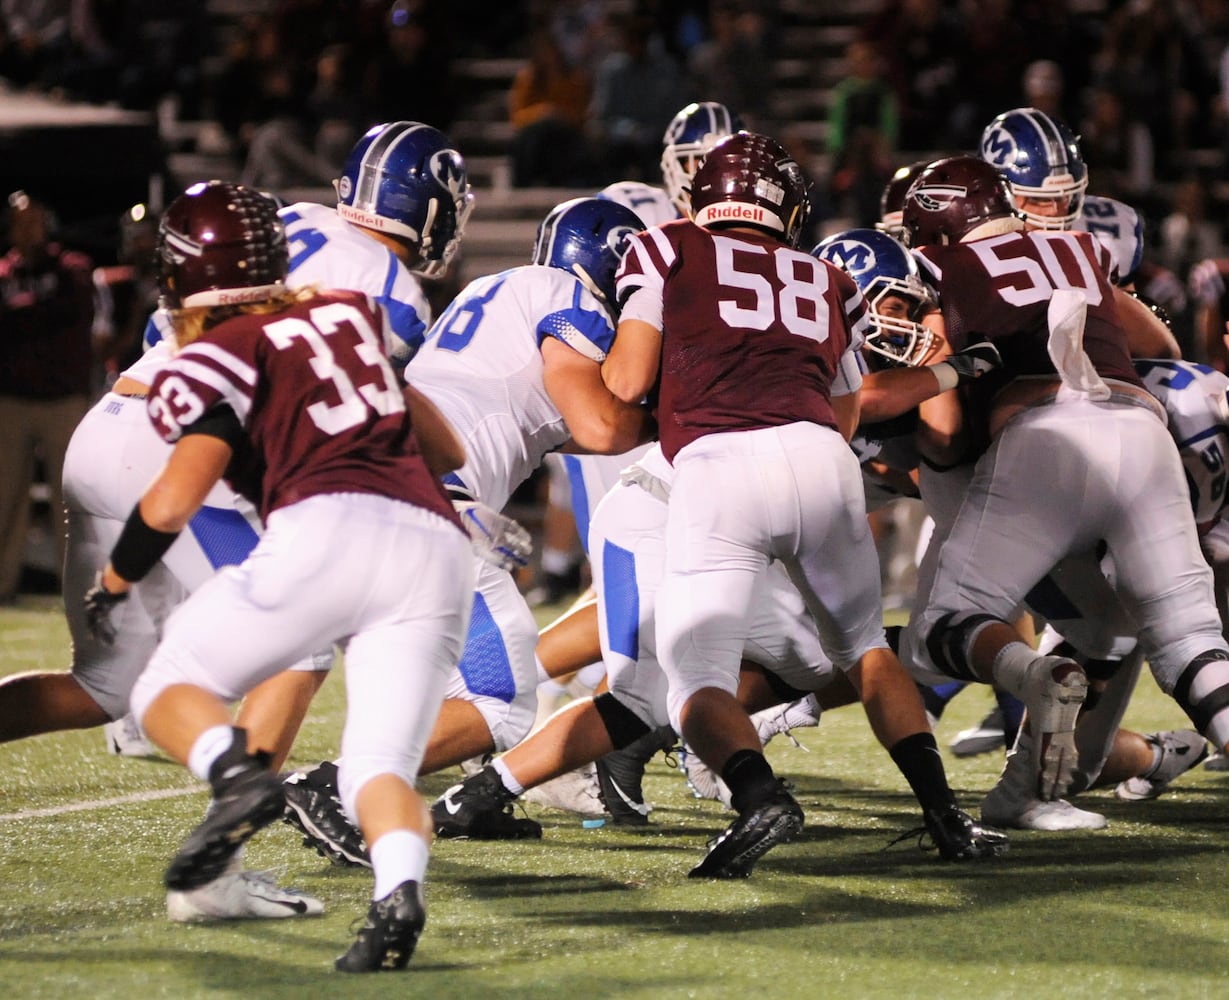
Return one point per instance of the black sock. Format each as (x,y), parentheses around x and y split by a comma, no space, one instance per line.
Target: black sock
(749,777)
(919,761)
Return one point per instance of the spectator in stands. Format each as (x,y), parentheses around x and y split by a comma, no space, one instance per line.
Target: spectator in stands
(1188,234)
(46,328)
(731,66)
(1042,86)
(1118,150)
(636,91)
(862,135)
(411,78)
(548,106)
(39,39)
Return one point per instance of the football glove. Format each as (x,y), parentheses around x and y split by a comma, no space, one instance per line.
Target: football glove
(498,539)
(974,360)
(99,603)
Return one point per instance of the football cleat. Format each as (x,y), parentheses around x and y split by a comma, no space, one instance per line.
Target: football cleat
(575,791)
(1001,808)
(241,895)
(989,734)
(125,739)
(313,807)
(621,772)
(480,808)
(1179,751)
(390,933)
(781,719)
(959,837)
(246,798)
(753,834)
(1218,761)
(702,780)
(1054,690)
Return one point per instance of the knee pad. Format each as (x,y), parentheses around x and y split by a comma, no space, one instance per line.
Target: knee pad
(623,726)
(951,637)
(1202,691)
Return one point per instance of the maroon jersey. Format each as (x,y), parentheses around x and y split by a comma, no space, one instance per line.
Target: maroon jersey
(753,331)
(313,389)
(999,289)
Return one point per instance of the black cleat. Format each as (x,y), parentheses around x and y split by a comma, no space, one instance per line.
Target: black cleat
(480,808)
(313,807)
(620,775)
(247,798)
(389,934)
(957,836)
(757,830)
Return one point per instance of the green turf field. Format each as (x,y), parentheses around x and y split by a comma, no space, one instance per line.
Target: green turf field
(1135,910)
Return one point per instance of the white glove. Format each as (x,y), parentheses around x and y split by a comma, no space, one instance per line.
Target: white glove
(1206,282)
(498,539)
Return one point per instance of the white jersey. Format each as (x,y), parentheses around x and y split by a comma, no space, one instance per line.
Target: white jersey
(591,477)
(1119,228)
(652,204)
(481,364)
(1195,401)
(328,252)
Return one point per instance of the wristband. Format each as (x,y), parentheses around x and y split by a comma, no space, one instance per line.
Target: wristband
(946,376)
(139,547)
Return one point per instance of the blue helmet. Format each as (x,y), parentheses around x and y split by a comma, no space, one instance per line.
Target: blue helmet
(1040,158)
(405,179)
(587,237)
(688,139)
(881,266)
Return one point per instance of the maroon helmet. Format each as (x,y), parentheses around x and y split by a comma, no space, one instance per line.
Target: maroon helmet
(953,196)
(750,180)
(220,244)
(892,201)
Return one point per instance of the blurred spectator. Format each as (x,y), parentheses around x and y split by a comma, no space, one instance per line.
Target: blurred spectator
(919,42)
(636,91)
(38,36)
(410,79)
(1042,87)
(1118,150)
(1187,233)
(991,56)
(548,106)
(732,66)
(862,135)
(46,320)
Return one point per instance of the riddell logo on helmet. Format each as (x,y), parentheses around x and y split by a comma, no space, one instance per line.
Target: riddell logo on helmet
(722,212)
(238,296)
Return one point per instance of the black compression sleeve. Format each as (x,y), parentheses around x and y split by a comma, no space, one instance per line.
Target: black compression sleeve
(220,422)
(139,547)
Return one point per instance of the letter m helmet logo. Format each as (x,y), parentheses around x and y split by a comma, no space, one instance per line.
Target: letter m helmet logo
(999,147)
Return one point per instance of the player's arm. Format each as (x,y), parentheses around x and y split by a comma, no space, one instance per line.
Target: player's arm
(630,369)
(599,421)
(895,391)
(441,446)
(1147,334)
(941,434)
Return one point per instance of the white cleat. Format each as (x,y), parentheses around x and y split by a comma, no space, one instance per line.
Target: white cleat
(1218,761)
(242,895)
(1053,694)
(780,719)
(1000,809)
(125,739)
(1180,750)
(575,792)
(701,779)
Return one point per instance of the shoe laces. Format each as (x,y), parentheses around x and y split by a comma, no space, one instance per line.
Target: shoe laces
(919,832)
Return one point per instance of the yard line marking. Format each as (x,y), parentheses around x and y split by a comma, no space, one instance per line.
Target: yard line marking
(119,800)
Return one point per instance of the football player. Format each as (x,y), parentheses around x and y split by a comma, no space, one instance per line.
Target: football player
(1066,403)
(514,364)
(787,416)
(291,395)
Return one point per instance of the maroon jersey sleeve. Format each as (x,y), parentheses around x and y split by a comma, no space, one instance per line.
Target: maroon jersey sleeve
(313,389)
(753,331)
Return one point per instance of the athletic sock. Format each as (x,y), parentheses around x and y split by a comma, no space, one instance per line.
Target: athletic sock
(919,761)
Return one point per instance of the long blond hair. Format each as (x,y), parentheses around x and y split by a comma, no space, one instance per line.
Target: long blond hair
(190,323)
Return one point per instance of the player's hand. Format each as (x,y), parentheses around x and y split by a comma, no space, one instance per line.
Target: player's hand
(974,361)
(99,603)
(1206,282)
(497,539)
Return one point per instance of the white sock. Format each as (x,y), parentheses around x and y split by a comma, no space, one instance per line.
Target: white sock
(556,561)
(209,746)
(506,776)
(543,676)
(398,856)
(1010,667)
